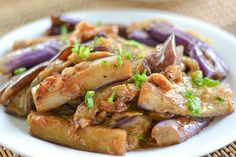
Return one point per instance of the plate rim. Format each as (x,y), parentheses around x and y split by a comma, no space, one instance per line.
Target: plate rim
(216,28)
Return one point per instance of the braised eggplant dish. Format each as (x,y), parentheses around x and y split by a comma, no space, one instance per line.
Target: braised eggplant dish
(112,88)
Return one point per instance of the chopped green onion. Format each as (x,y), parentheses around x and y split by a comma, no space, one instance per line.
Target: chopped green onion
(89,99)
(64,32)
(19,70)
(194,106)
(89,102)
(187,94)
(99,23)
(210,83)
(89,94)
(95,41)
(84,52)
(193,102)
(139,78)
(199,81)
(126,54)
(75,48)
(140,55)
(197,75)
(111,98)
(119,61)
(220,99)
(134,43)
(142,138)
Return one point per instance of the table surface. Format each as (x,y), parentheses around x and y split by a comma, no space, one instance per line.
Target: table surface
(222,13)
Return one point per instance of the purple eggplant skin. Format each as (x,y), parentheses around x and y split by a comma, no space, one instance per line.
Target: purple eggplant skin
(161,32)
(29,57)
(58,21)
(142,37)
(18,82)
(122,121)
(210,63)
(177,130)
(166,55)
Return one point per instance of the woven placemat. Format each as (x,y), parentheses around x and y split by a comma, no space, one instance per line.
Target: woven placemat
(222,13)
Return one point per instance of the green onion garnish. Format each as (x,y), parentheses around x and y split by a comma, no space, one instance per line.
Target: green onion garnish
(142,138)
(75,48)
(199,81)
(111,98)
(119,61)
(20,70)
(193,102)
(187,94)
(126,54)
(89,99)
(139,78)
(95,41)
(84,52)
(210,83)
(134,43)
(220,99)
(197,75)
(64,32)
(194,106)
(140,55)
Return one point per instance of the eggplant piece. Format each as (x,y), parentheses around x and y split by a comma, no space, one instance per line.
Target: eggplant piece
(83,112)
(58,21)
(20,104)
(17,83)
(29,57)
(136,126)
(119,119)
(161,32)
(153,98)
(159,116)
(95,139)
(126,92)
(56,90)
(5,82)
(177,130)
(62,55)
(210,63)
(142,37)
(166,55)
(74,57)
(31,42)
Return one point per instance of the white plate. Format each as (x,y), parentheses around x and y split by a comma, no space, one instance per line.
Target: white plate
(14,132)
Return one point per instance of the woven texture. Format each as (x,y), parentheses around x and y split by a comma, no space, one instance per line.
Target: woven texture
(222,13)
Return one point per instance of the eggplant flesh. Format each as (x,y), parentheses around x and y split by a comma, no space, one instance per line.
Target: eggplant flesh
(59,130)
(177,130)
(65,88)
(210,62)
(153,98)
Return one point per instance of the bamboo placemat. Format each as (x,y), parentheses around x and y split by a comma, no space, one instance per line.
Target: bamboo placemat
(222,13)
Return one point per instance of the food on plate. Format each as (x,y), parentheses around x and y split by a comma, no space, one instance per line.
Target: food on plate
(112,88)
